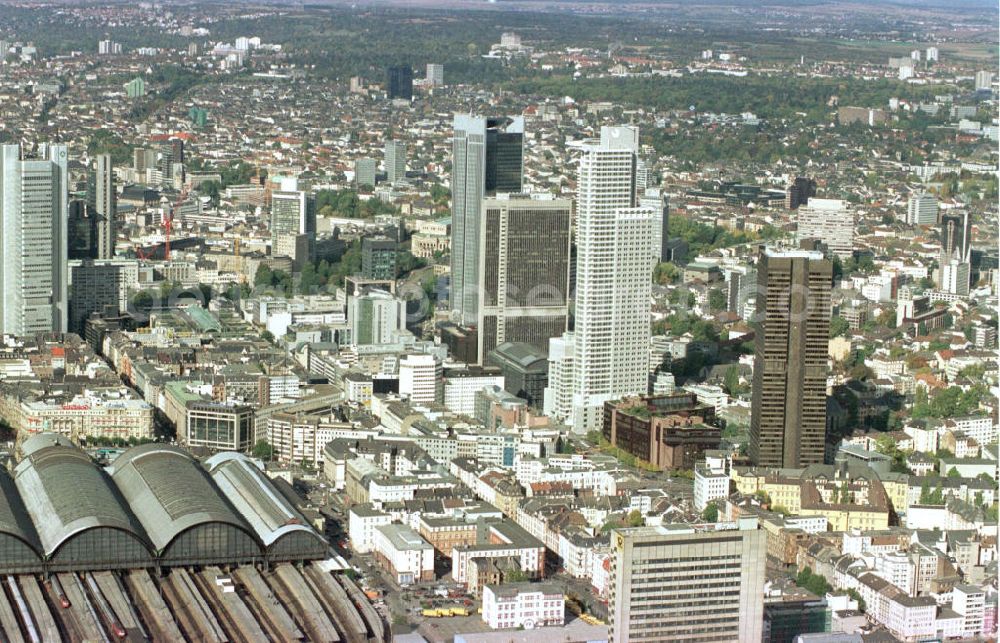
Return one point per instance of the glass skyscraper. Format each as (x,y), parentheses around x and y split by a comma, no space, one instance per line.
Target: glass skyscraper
(487,158)
(33,240)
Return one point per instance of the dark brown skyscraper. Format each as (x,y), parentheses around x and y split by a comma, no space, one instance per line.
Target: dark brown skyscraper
(788,419)
(524,267)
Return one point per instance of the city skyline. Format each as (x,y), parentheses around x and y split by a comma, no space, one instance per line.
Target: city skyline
(482,322)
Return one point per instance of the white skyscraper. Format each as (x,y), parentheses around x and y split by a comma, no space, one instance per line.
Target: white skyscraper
(955,277)
(558,396)
(655,199)
(830,221)
(700,582)
(420,378)
(33,240)
(613,279)
(984,80)
(435,74)
(922,209)
(932,54)
(376,317)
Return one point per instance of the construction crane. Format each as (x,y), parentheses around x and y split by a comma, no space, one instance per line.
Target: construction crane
(168,222)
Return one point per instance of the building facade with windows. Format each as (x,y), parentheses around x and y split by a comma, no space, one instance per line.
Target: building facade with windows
(687,582)
(34,217)
(487,159)
(219,426)
(523,274)
(788,406)
(613,283)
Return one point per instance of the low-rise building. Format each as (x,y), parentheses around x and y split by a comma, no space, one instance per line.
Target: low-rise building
(361,523)
(523,605)
(403,553)
(668,431)
(462,384)
(711,481)
(496,540)
(219,426)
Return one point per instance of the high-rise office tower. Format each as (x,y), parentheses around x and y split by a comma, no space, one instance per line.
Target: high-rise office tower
(171,159)
(378,258)
(955,271)
(741,286)
(375,317)
(922,209)
(101,198)
(143,158)
(557,398)
(435,74)
(955,276)
(34,219)
(364,172)
(613,279)
(487,159)
(395,161)
(643,176)
(399,82)
(799,192)
(984,81)
(788,408)
(830,221)
(82,231)
(421,378)
(523,270)
(687,583)
(655,198)
(293,226)
(100,287)
(956,236)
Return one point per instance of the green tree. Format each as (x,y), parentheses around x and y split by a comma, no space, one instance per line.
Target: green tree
(666,273)
(953,473)
(815,583)
(716,300)
(853,593)
(309,278)
(731,381)
(925,492)
(407,263)
(263,450)
(213,190)
(262,278)
(635,518)
(440,194)
(839,326)
(710,513)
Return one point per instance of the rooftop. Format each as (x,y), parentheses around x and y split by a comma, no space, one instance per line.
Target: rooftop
(403,538)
